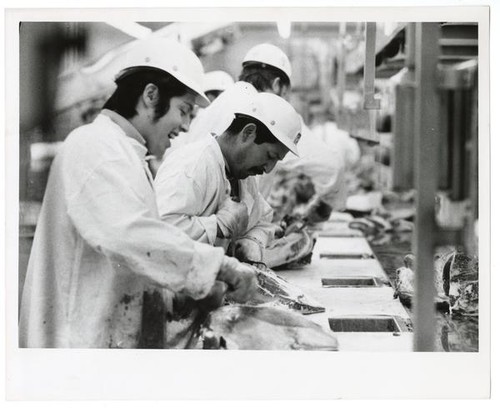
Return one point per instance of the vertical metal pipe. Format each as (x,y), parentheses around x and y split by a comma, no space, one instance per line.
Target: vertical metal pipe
(426,177)
(370,103)
(410,46)
(474,150)
(341,65)
(369,68)
(444,147)
(473,192)
(458,146)
(403,154)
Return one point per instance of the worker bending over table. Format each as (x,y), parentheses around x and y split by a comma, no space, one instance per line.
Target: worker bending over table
(208,188)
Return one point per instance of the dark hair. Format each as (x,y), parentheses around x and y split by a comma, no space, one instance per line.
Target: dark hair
(215,93)
(131,86)
(261,76)
(262,135)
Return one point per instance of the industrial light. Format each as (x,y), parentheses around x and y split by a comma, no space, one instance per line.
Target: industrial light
(284,29)
(133,29)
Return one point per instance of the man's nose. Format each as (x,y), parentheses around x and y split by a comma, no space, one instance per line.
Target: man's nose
(186,123)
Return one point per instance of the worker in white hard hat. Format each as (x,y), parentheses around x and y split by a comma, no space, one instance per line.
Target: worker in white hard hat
(268,68)
(204,189)
(325,167)
(100,243)
(265,68)
(216,82)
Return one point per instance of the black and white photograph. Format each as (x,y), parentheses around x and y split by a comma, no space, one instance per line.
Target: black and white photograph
(288,197)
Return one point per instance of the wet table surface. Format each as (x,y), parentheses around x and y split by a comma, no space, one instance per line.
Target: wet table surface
(453,334)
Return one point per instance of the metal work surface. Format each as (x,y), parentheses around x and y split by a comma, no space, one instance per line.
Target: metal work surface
(342,246)
(366,309)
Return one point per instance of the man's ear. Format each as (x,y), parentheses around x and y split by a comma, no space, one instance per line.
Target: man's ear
(276,85)
(150,95)
(249,132)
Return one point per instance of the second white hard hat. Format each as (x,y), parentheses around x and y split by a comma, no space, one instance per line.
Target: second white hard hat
(271,55)
(276,114)
(169,56)
(217,81)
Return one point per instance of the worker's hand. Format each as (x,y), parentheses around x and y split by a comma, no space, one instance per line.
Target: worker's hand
(278,231)
(214,298)
(232,218)
(240,278)
(317,211)
(247,249)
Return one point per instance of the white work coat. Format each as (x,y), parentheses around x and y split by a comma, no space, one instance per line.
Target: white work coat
(191,186)
(100,243)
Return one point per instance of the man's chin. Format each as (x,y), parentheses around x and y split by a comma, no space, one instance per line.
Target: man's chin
(250,174)
(167,146)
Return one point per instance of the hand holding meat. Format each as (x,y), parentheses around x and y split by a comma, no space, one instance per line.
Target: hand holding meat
(232,218)
(247,249)
(317,211)
(278,231)
(241,279)
(215,297)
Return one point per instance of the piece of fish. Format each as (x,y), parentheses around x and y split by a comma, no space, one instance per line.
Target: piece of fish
(276,291)
(245,327)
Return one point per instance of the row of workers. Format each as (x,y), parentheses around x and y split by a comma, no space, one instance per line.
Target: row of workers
(114,226)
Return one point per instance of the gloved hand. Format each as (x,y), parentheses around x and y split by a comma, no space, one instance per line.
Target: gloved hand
(214,298)
(247,249)
(241,279)
(232,218)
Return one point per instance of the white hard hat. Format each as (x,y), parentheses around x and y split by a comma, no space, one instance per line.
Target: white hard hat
(276,114)
(217,81)
(169,56)
(271,55)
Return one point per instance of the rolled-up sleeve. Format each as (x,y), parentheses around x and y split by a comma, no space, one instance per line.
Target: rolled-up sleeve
(109,211)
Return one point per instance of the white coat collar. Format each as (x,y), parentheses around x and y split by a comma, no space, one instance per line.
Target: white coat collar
(244,195)
(129,131)
(214,145)
(222,159)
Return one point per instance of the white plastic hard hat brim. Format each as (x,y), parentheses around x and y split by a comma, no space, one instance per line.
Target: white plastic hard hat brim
(277,115)
(217,81)
(271,55)
(289,144)
(201,99)
(171,57)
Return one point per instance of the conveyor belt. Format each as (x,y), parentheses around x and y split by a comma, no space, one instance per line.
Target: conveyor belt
(383,322)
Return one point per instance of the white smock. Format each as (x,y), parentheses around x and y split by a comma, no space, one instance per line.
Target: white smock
(191,187)
(100,243)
